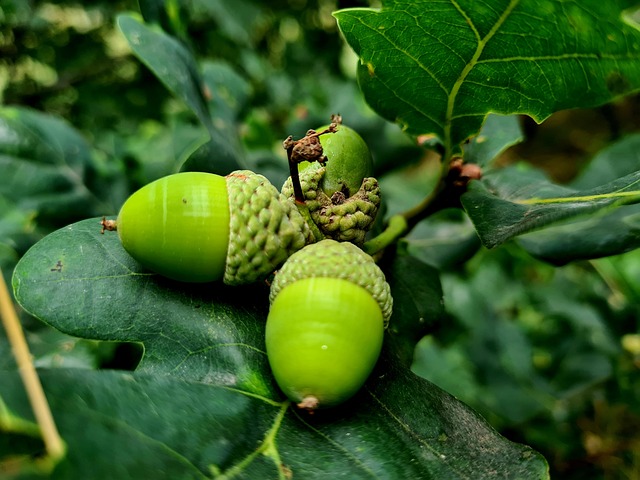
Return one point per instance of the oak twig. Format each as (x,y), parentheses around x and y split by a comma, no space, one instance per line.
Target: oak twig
(453,183)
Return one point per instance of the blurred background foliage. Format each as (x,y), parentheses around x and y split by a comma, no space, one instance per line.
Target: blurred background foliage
(549,355)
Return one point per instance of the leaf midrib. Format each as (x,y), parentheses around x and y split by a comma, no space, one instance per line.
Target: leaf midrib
(410,431)
(579,198)
(482,42)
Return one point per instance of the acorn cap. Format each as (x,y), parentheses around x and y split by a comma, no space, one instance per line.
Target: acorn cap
(331,259)
(337,217)
(265,228)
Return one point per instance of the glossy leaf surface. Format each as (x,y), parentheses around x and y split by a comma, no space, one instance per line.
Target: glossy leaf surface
(440,67)
(603,234)
(513,201)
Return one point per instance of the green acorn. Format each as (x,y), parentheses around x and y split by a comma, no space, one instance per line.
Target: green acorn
(201,227)
(350,157)
(341,195)
(330,304)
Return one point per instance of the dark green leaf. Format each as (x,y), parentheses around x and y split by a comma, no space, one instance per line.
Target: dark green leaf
(435,363)
(585,320)
(405,188)
(171,15)
(498,133)
(45,166)
(496,353)
(238,20)
(191,430)
(580,371)
(618,159)
(170,61)
(603,234)
(118,301)
(204,355)
(150,424)
(418,304)
(441,67)
(217,91)
(443,240)
(513,201)
(162,150)
(229,93)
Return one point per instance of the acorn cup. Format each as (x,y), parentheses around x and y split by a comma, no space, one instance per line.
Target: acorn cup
(330,305)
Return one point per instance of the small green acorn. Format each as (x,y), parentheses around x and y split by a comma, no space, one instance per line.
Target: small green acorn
(350,161)
(341,195)
(330,304)
(201,227)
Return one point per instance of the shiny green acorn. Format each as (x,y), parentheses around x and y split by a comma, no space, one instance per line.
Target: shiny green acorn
(201,227)
(330,304)
(348,163)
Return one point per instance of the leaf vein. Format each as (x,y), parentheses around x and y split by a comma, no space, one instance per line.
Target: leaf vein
(330,440)
(414,434)
(579,198)
(396,47)
(562,56)
(409,104)
(482,42)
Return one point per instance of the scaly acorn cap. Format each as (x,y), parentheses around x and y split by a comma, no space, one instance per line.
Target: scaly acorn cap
(331,259)
(342,219)
(265,228)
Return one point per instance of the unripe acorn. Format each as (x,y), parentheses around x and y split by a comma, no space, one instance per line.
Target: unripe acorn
(349,161)
(341,195)
(330,304)
(201,227)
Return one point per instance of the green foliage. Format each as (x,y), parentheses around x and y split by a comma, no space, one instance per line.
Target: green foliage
(539,335)
(210,345)
(518,201)
(608,232)
(48,167)
(460,61)
(544,357)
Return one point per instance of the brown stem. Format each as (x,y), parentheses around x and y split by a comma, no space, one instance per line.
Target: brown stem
(447,193)
(452,184)
(109,225)
(307,149)
(295,177)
